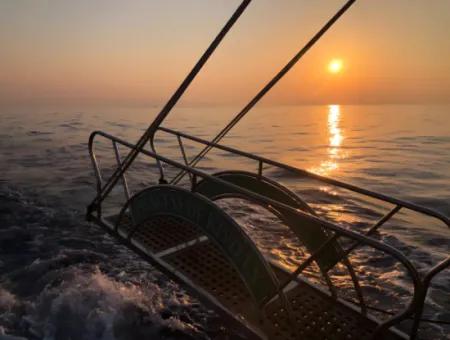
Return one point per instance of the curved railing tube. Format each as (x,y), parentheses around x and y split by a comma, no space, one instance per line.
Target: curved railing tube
(419,287)
(339,230)
(323,179)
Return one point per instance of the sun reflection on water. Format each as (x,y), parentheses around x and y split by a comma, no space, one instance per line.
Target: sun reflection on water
(334,142)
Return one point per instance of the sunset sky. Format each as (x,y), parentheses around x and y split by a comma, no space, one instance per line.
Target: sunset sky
(135,53)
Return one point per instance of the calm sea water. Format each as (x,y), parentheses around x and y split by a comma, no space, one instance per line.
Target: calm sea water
(61,277)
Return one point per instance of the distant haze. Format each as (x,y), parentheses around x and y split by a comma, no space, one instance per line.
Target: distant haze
(135,53)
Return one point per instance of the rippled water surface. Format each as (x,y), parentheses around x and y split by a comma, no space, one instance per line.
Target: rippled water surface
(62,278)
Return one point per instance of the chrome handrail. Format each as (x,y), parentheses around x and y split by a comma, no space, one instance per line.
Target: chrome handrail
(305,173)
(420,286)
(398,205)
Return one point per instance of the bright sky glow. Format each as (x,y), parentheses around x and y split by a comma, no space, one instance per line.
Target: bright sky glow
(136,53)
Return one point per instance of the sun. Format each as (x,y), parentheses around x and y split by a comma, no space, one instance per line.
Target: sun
(335,66)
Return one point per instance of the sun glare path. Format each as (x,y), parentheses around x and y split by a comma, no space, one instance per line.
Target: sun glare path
(334,142)
(335,66)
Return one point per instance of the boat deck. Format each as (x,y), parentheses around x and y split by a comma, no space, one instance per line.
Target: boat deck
(195,260)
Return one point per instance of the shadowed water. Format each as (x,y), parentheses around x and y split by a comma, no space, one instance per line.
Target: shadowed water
(64,278)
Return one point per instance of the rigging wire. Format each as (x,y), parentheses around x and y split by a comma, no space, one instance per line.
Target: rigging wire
(149,133)
(267,87)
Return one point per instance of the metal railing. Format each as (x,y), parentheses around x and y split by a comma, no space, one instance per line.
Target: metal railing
(420,285)
(261,161)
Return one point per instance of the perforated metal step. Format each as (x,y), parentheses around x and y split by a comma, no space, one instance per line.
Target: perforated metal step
(161,232)
(318,316)
(208,268)
(314,315)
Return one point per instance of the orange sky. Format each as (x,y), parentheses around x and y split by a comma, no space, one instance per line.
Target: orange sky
(98,52)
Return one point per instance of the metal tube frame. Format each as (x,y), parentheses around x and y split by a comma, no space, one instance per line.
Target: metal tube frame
(183,154)
(311,175)
(119,164)
(415,306)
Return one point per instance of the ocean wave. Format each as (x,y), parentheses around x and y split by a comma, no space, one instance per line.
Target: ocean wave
(91,305)
(64,279)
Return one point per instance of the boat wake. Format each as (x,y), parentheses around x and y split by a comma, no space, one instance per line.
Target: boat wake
(63,279)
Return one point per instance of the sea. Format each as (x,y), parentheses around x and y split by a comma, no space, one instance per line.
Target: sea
(64,278)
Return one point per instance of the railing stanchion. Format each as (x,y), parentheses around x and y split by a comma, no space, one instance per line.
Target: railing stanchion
(158,162)
(183,153)
(119,164)
(260,168)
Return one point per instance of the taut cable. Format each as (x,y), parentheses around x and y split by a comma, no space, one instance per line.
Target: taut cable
(149,133)
(266,88)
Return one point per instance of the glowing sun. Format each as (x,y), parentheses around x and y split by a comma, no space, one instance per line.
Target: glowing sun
(335,66)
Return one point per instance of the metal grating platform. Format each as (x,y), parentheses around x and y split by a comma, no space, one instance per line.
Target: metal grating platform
(317,316)
(314,315)
(162,232)
(208,268)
